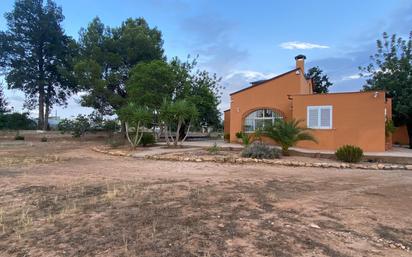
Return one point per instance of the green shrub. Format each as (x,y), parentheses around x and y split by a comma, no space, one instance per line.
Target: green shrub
(215,149)
(260,150)
(226,136)
(147,139)
(43,139)
(244,137)
(18,136)
(389,128)
(349,153)
(80,125)
(65,126)
(16,121)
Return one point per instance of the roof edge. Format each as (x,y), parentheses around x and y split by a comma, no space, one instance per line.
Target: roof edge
(340,93)
(263,82)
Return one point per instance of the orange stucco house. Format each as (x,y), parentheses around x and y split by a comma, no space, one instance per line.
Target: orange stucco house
(336,119)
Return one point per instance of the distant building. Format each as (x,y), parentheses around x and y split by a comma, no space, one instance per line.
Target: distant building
(54,121)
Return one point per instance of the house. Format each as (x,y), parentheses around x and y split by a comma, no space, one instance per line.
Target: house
(336,119)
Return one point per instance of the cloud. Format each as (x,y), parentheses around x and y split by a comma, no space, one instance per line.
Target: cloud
(238,79)
(351,77)
(248,74)
(301,45)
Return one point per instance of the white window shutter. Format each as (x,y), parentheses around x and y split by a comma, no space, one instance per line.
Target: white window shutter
(313,117)
(325,117)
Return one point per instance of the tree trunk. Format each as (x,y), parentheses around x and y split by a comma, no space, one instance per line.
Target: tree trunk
(46,117)
(179,125)
(409,129)
(40,124)
(123,129)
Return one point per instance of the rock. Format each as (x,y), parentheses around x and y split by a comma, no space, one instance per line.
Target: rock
(392,246)
(380,166)
(313,225)
(198,160)
(344,165)
(221,226)
(408,167)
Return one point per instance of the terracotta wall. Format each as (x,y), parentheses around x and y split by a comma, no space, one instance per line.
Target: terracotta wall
(226,122)
(272,94)
(400,136)
(358,119)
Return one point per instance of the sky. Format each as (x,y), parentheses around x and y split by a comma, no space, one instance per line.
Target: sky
(244,41)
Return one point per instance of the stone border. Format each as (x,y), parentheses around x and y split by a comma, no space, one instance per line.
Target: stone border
(112,152)
(224,159)
(220,159)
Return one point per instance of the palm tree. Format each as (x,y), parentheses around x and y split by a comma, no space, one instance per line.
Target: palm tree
(288,133)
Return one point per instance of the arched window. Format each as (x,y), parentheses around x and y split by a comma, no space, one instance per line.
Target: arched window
(260,119)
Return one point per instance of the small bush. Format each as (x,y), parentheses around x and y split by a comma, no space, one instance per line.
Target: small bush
(239,134)
(18,136)
(349,153)
(215,149)
(226,136)
(43,139)
(260,150)
(147,139)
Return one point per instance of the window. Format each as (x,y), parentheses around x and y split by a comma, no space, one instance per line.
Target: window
(262,118)
(319,117)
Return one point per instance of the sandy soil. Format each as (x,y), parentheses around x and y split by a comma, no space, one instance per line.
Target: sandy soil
(62,199)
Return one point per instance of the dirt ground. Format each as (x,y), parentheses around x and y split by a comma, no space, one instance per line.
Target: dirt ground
(59,198)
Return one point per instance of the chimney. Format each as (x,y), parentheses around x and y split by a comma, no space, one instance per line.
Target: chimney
(300,62)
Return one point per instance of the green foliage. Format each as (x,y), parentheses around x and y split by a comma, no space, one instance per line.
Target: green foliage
(260,150)
(36,55)
(135,118)
(246,138)
(215,149)
(198,87)
(390,70)
(16,121)
(80,125)
(320,81)
(177,114)
(226,136)
(3,102)
(349,153)
(150,83)
(288,133)
(147,139)
(389,128)
(107,57)
(65,126)
(18,136)
(110,126)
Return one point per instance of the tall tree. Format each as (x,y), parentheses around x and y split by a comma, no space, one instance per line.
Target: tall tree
(3,102)
(198,87)
(37,56)
(108,55)
(391,70)
(320,81)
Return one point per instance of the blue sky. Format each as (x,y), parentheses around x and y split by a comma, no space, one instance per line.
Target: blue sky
(243,41)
